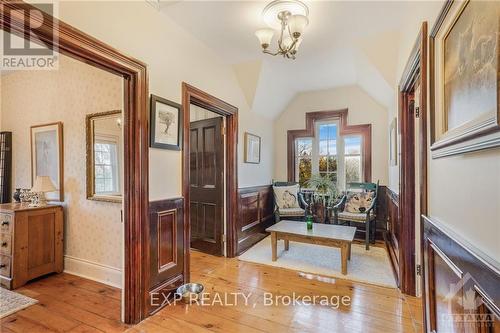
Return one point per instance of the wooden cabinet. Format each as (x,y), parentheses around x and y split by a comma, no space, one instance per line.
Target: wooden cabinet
(31,243)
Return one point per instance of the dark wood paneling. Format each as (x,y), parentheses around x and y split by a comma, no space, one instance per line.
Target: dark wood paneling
(255,214)
(365,130)
(456,275)
(393,230)
(166,266)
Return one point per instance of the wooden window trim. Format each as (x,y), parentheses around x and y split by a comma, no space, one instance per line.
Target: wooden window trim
(364,130)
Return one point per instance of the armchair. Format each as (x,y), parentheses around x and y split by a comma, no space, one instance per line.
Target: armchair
(359,206)
(289,201)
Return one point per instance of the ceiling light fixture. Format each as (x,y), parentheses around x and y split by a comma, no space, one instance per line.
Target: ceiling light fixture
(290,17)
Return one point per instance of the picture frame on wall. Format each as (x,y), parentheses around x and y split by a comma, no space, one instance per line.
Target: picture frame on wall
(252,148)
(47,156)
(393,137)
(166,124)
(465,78)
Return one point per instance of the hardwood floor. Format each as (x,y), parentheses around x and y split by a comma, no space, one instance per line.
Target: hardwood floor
(372,308)
(71,304)
(67,303)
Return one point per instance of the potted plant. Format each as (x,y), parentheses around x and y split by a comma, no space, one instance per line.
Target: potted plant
(325,195)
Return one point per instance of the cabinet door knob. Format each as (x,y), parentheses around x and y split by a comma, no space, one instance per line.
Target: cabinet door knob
(5,223)
(4,244)
(3,265)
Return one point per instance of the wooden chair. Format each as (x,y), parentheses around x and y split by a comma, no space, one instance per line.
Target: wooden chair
(365,216)
(290,213)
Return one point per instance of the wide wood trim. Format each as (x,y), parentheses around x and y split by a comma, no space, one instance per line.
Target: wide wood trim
(365,130)
(192,95)
(475,271)
(81,46)
(415,74)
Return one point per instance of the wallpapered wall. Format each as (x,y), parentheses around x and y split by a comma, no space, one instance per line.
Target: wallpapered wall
(93,230)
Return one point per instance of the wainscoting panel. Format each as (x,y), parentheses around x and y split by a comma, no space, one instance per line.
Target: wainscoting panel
(462,291)
(393,227)
(166,223)
(255,214)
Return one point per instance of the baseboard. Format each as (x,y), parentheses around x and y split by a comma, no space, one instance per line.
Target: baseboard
(93,271)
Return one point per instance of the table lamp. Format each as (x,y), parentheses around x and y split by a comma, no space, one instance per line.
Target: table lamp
(43,184)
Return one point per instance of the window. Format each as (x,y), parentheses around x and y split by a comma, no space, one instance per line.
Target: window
(303,155)
(329,154)
(352,158)
(106,167)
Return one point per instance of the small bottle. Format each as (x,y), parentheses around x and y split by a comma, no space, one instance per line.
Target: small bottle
(309,222)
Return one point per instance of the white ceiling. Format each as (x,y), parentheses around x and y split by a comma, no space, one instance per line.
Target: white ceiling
(346,43)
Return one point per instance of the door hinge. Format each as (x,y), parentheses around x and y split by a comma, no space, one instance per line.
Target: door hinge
(417,112)
(223,130)
(419,270)
(224,240)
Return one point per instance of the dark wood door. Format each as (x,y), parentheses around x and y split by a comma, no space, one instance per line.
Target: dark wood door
(207,185)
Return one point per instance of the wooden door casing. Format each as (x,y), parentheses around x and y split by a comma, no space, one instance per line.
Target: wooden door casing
(207,185)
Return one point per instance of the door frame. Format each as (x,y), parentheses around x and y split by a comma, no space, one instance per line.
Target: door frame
(193,95)
(415,72)
(80,46)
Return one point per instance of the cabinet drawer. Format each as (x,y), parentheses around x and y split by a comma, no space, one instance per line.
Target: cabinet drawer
(5,244)
(5,265)
(5,223)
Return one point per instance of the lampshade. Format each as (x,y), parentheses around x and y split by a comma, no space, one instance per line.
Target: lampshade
(43,184)
(297,24)
(265,36)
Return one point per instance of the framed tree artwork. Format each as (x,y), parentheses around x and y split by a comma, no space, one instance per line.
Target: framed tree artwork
(166,120)
(252,148)
(47,157)
(464,78)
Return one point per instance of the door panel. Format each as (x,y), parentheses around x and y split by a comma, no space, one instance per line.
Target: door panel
(166,266)
(207,185)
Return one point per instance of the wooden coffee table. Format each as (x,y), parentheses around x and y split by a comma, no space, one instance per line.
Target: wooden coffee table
(321,234)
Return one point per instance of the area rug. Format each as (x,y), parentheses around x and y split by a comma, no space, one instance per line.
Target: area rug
(371,266)
(11,302)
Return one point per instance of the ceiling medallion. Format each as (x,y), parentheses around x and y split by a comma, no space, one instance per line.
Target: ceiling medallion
(290,18)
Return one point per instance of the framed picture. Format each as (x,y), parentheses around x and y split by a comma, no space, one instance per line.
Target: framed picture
(464,82)
(252,148)
(47,156)
(166,124)
(393,137)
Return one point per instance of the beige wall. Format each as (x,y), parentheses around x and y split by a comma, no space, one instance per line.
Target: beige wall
(93,230)
(464,190)
(173,56)
(362,110)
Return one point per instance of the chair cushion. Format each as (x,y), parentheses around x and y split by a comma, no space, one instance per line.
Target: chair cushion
(358,202)
(358,217)
(286,196)
(291,212)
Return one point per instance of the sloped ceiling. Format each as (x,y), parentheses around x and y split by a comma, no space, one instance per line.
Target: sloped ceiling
(346,43)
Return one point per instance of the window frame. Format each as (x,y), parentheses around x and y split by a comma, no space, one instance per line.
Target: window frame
(115,168)
(363,130)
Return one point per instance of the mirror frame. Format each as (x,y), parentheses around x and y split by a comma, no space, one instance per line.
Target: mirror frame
(90,158)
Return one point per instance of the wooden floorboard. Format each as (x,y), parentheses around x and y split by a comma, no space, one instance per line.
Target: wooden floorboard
(68,303)
(372,308)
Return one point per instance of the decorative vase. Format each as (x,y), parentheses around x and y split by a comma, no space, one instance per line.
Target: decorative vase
(17,195)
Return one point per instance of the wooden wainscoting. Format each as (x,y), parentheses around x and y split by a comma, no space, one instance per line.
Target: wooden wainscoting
(393,229)
(255,214)
(458,281)
(167,261)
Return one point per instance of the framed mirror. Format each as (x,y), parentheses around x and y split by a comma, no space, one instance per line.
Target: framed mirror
(105,156)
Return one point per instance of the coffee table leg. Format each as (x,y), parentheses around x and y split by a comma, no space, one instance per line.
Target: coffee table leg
(344,253)
(287,244)
(274,245)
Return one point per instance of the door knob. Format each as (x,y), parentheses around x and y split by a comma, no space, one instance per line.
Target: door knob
(4,244)
(3,265)
(5,223)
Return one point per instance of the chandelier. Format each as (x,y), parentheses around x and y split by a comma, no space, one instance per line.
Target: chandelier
(290,18)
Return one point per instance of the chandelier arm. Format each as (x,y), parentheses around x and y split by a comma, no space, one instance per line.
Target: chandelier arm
(271,53)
